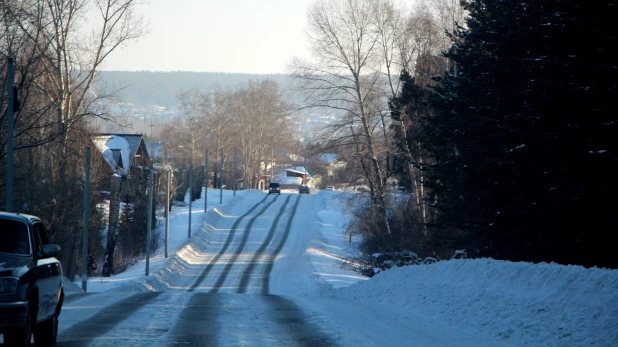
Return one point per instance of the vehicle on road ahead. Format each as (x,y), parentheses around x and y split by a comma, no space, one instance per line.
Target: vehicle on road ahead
(274,187)
(329,188)
(303,190)
(31,292)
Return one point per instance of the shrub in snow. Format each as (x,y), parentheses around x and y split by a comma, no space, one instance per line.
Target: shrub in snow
(429,260)
(388,260)
(388,264)
(459,254)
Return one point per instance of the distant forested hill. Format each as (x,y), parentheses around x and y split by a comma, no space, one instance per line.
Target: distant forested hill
(161,88)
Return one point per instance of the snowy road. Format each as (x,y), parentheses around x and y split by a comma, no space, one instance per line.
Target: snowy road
(201,307)
(251,276)
(192,319)
(264,270)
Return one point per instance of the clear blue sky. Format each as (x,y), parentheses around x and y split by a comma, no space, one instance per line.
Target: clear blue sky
(251,36)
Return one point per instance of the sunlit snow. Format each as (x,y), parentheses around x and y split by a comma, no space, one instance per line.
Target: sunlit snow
(463,302)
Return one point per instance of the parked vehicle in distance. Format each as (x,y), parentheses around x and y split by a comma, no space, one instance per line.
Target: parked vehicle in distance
(303,189)
(31,292)
(274,187)
(329,188)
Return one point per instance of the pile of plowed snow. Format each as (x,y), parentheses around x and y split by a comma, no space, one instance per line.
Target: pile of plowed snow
(520,303)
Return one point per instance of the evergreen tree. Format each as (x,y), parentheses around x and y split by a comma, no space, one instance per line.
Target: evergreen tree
(525,159)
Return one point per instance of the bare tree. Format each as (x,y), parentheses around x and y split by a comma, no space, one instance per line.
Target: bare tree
(447,14)
(253,118)
(210,115)
(56,64)
(346,79)
(360,48)
(73,60)
(421,46)
(388,20)
(266,123)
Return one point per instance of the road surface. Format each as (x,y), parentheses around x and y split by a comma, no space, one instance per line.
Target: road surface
(246,279)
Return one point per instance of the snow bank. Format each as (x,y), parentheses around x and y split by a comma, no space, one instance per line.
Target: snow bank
(70,287)
(520,303)
(163,278)
(515,303)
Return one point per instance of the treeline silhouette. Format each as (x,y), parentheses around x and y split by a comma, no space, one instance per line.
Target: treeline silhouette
(520,157)
(161,88)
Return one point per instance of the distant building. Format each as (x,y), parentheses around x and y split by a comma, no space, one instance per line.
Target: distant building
(333,163)
(292,177)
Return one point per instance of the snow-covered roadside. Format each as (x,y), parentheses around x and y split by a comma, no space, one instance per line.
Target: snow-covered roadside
(513,303)
(517,303)
(180,249)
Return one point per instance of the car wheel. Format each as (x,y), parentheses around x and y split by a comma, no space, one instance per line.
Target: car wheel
(47,332)
(20,336)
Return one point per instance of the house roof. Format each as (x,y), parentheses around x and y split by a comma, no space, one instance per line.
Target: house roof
(329,158)
(299,170)
(283,179)
(118,150)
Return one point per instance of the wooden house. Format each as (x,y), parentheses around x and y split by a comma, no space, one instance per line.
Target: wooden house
(123,155)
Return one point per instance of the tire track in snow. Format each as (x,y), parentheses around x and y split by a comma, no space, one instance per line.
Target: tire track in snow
(291,318)
(271,258)
(199,326)
(241,246)
(244,282)
(101,323)
(229,239)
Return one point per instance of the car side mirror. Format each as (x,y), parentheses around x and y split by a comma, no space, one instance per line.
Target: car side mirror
(51,250)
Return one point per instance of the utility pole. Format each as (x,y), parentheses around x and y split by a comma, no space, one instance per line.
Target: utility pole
(190,189)
(221,179)
(272,163)
(206,185)
(149,221)
(86,217)
(10,77)
(191,176)
(244,185)
(167,212)
(234,171)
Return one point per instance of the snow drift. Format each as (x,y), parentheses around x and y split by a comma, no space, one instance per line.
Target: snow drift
(520,303)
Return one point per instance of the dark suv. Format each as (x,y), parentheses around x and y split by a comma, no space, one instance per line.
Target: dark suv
(31,293)
(274,187)
(303,190)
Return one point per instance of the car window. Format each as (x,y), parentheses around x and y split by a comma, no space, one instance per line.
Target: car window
(14,237)
(40,237)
